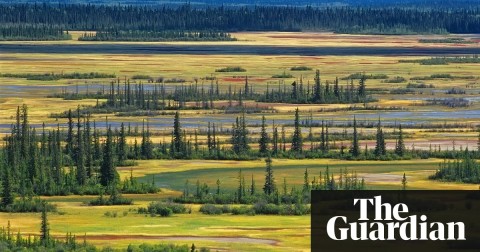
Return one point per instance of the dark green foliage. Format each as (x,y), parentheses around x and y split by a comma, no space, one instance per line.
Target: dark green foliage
(178,145)
(360,76)
(108,173)
(230,69)
(269,186)
(7,196)
(141,77)
(131,186)
(466,170)
(396,79)
(163,209)
(18,242)
(114,199)
(239,138)
(264,140)
(27,32)
(320,93)
(395,20)
(445,60)
(282,75)
(28,205)
(380,148)
(44,228)
(297,138)
(441,76)
(261,207)
(400,145)
(300,68)
(214,210)
(355,148)
(419,85)
(172,35)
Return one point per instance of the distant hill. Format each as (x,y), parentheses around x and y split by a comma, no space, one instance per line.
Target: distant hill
(325,3)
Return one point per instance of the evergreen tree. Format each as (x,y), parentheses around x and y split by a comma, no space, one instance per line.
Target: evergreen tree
(241,186)
(362,93)
(269,186)
(297,140)
(146,147)
(380,148)
(306,182)
(122,145)
(252,187)
(7,190)
(69,140)
(400,146)
(317,95)
(355,148)
(264,138)
(44,230)
(239,138)
(80,153)
(177,135)
(218,186)
(404,182)
(108,172)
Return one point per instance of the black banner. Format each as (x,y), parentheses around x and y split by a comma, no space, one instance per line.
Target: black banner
(409,220)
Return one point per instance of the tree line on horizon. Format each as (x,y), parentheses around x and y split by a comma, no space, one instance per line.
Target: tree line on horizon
(386,20)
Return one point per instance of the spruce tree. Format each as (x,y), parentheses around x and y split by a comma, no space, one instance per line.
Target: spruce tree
(264,138)
(306,182)
(241,186)
(79,153)
(69,140)
(7,190)
(107,169)
(44,229)
(355,148)
(362,93)
(269,186)
(252,187)
(380,148)
(177,135)
(122,145)
(317,95)
(297,140)
(400,146)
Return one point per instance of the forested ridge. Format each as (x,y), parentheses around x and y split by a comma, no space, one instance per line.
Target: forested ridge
(394,20)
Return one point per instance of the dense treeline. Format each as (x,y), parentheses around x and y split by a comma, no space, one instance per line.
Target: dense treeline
(156,36)
(54,162)
(32,31)
(464,169)
(258,18)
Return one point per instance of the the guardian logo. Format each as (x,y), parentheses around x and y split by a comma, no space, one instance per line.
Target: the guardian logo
(391,223)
